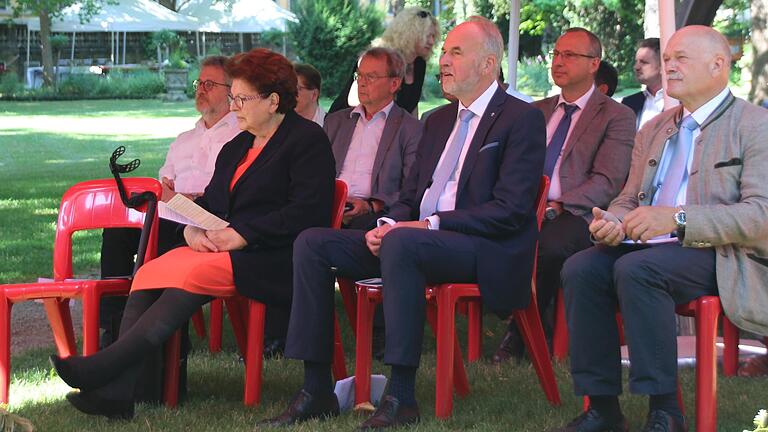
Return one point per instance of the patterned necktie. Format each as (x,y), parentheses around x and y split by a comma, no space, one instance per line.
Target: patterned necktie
(677,169)
(446,168)
(558,139)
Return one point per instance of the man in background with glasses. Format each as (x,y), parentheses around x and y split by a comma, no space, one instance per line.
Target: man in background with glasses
(589,147)
(308,96)
(187,170)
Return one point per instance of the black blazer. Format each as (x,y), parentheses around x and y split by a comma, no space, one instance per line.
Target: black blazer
(288,188)
(636,101)
(495,201)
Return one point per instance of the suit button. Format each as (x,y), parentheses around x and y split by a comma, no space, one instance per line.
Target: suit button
(670,130)
(641,196)
(652,162)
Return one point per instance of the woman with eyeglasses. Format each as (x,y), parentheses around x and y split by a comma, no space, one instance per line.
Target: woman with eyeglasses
(272,181)
(413,33)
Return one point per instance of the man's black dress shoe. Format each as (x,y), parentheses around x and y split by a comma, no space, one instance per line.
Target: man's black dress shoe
(273,348)
(511,347)
(592,421)
(661,421)
(305,407)
(89,403)
(391,413)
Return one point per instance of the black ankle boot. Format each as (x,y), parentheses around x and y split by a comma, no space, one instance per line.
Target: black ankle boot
(70,373)
(92,404)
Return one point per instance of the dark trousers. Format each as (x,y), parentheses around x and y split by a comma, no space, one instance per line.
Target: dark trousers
(409,259)
(646,283)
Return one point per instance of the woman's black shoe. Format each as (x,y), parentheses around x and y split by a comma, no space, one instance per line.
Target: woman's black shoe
(92,404)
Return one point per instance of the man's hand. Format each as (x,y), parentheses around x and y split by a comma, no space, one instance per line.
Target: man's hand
(647,222)
(168,189)
(359,207)
(197,240)
(374,236)
(606,228)
(226,239)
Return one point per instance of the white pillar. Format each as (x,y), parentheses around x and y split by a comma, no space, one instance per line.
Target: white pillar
(72,50)
(666,27)
(29,36)
(513,47)
(125,39)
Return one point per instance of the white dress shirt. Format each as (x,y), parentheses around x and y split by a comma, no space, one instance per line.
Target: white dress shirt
(700,115)
(191,158)
(653,105)
(554,121)
(357,168)
(319,117)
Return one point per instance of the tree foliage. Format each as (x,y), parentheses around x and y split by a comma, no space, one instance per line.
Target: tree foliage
(330,34)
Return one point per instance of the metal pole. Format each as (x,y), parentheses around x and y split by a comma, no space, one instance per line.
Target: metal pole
(29,35)
(197,43)
(513,47)
(72,50)
(125,38)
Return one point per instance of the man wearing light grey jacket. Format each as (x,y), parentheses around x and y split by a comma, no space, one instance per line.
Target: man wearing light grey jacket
(691,221)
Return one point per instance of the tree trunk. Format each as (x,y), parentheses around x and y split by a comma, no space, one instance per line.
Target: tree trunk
(47,53)
(759,92)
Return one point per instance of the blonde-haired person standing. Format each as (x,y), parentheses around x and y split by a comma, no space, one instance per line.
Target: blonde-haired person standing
(413,33)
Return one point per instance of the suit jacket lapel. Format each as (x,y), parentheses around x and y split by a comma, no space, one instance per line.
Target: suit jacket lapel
(344,139)
(547,106)
(594,104)
(392,125)
(478,139)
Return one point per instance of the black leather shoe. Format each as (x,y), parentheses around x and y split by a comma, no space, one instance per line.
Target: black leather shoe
(273,348)
(391,414)
(511,347)
(592,421)
(89,403)
(305,407)
(661,421)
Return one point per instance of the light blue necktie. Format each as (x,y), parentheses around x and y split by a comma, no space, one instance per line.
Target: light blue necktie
(677,169)
(447,167)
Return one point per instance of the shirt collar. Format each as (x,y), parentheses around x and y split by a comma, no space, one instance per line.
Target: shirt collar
(229,118)
(481,103)
(580,102)
(704,111)
(659,94)
(384,111)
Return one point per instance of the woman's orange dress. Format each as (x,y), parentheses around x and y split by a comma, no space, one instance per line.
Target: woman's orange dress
(207,273)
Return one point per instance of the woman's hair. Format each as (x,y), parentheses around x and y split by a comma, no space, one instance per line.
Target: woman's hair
(268,72)
(411,27)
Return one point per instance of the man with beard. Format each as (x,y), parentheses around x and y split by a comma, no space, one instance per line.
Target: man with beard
(188,168)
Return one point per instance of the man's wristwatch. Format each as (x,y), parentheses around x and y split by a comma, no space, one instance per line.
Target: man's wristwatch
(550,213)
(680,222)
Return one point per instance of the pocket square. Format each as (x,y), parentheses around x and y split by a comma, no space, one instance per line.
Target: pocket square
(731,162)
(490,145)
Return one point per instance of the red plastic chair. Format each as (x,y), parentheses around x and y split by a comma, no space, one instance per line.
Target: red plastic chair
(92,204)
(247,318)
(442,304)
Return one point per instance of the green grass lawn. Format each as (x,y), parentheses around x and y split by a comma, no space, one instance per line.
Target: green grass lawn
(47,146)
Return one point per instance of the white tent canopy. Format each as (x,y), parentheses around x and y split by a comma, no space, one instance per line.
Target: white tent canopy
(240,16)
(127,16)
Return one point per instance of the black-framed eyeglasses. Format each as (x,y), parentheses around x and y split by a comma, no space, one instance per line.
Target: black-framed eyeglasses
(301,87)
(208,85)
(568,55)
(241,100)
(369,77)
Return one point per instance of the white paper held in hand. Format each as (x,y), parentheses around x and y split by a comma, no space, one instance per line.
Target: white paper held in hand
(183,210)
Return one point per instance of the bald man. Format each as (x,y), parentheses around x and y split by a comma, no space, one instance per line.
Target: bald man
(691,221)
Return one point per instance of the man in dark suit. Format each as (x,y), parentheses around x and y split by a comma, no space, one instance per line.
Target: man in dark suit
(375,142)
(650,101)
(589,146)
(466,214)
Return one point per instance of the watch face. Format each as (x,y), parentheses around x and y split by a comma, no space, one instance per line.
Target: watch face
(550,213)
(680,217)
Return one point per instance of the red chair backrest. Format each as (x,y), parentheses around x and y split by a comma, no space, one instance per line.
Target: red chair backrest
(96,204)
(541,199)
(339,199)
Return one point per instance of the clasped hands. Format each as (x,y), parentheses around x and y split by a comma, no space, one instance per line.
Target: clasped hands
(373,237)
(221,240)
(641,224)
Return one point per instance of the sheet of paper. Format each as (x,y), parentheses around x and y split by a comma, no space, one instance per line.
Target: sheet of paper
(192,213)
(652,241)
(165,212)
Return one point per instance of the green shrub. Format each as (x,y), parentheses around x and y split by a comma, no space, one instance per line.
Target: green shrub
(533,77)
(330,34)
(141,84)
(10,85)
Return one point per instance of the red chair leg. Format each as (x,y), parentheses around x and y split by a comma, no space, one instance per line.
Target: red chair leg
(255,350)
(460,380)
(238,318)
(90,323)
(5,348)
(730,347)
(560,337)
(348,296)
(363,347)
(171,370)
(446,331)
(339,363)
(707,313)
(217,312)
(529,323)
(198,321)
(474,331)
(60,319)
